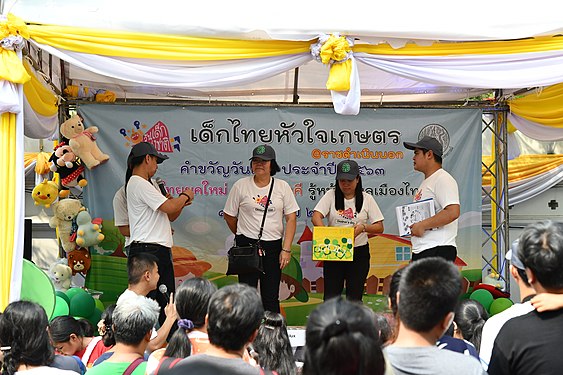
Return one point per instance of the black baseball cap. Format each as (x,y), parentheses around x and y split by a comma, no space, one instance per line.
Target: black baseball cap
(264,152)
(145,148)
(426,143)
(347,170)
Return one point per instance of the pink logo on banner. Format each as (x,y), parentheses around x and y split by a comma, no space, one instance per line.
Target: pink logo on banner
(159,136)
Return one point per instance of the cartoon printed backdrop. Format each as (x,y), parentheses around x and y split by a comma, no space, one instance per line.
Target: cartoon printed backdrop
(209,149)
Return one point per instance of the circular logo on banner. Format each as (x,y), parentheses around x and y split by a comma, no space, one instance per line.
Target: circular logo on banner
(260,150)
(345,167)
(438,132)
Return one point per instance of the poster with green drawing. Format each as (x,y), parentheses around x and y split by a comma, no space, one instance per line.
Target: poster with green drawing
(333,243)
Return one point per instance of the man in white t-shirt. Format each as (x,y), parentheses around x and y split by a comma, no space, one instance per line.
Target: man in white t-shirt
(434,236)
(121,215)
(150,214)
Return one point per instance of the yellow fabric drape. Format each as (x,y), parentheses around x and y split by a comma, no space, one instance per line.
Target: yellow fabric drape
(42,100)
(524,166)
(160,46)
(545,108)
(174,47)
(538,44)
(11,68)
(333,51)
(7,206)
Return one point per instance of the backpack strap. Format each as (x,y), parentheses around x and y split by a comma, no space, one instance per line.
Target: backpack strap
(167,363)
(129,370)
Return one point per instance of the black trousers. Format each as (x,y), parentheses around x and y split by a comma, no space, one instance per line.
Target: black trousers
(448,252)
(165,270)
(353,274)
(270,279)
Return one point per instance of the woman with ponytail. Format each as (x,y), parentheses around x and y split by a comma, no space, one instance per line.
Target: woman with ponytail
(192,300)
(470,317)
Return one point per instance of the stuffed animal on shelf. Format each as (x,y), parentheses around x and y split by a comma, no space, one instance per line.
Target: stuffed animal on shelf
(65,210)
(61,274)
(45,193)
(79,260)
(89,231)
(83,141)
(66,164)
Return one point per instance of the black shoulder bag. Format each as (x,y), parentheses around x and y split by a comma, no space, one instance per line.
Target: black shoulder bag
(248,259)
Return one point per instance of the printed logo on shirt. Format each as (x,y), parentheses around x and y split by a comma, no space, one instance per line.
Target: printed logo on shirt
(261,200)
(347,213)
(418,196)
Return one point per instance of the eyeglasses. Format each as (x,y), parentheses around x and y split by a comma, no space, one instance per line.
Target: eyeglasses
(259,161)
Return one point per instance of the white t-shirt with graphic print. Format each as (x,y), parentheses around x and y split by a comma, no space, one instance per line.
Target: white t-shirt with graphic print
(369,214)
(246,202)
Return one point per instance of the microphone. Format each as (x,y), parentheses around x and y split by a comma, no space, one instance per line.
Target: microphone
(162,188)
(164,290)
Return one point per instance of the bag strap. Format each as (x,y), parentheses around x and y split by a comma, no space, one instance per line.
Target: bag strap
(266,209)
(167,363)
(129,370)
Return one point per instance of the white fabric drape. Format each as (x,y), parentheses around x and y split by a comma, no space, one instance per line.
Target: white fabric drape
(528,188)
(37,126)
(17,260)
(535,130)
(476,71)
(9,97)
(183,74)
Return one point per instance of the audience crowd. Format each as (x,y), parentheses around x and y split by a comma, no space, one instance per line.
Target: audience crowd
(226,330)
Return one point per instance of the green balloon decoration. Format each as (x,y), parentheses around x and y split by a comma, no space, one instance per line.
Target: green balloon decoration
(82,304)
(484,297)
(74,291)
(99,304)
(63,295)
(499,305)
(61,307)
(37,287)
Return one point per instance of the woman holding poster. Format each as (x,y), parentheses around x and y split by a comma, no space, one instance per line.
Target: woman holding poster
(244,212)
(348,206)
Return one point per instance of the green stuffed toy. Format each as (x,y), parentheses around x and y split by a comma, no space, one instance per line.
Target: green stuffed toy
(89,231)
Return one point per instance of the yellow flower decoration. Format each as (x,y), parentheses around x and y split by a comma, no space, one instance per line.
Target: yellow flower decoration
(335,48)
(13,26)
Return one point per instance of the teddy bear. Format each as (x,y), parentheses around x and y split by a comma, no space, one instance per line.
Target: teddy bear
(65,210)
(45,193)
(66,164)
(83,141)
(89,232)
(79,260)
(60,273)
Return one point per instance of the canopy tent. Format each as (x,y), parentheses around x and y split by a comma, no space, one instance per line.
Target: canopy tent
(254,51)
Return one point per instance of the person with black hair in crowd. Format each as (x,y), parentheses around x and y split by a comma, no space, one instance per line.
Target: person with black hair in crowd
(143,277)
(150,213)
(234,315)
(342,339)
(347,205)
(428,294)
(25,342)
(244,211)
(436,235)
(392,301)
(69,338)
(192,301)
(273,346)
(105,329)
(133,321)
(528,344)
(470,317)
